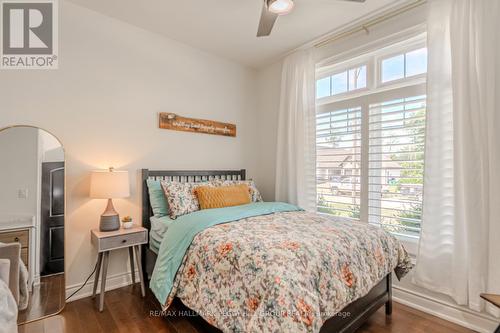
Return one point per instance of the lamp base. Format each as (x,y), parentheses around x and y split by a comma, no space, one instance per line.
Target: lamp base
(110,220)
(109,223)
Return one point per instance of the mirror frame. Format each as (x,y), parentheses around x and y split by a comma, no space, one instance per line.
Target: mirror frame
(5,128)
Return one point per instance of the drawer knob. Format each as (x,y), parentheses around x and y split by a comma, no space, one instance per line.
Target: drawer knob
(16,239)
(124,241)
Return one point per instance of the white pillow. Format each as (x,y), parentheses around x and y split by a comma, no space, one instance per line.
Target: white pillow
(4,270)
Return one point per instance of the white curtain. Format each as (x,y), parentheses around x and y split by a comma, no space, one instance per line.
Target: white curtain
(459,247)
(295,167)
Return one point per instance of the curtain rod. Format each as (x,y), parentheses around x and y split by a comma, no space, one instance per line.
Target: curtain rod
(370,23)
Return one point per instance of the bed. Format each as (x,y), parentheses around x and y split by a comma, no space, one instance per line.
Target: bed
(346,319)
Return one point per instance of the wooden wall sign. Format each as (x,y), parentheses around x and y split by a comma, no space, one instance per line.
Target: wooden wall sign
(174,122)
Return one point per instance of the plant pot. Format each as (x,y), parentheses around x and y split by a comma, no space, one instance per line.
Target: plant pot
(128,225)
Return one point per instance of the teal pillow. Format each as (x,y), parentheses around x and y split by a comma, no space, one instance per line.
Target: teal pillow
(157,198)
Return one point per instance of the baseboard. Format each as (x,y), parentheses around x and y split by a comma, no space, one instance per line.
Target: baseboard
(112,282)
(478,322)
(36,280)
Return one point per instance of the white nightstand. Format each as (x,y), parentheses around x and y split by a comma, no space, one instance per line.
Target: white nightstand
(106,241)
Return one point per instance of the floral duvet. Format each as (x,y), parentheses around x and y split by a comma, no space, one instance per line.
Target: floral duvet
(283,272)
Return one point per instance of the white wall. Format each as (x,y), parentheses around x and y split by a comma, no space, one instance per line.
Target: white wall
(269,86)
(268,99)
(102,103)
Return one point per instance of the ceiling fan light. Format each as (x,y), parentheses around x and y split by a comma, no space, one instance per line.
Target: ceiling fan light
(280,7)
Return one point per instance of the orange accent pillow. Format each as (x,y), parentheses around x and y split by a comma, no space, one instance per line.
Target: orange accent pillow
(223,196)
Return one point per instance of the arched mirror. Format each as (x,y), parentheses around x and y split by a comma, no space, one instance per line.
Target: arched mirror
(32,210)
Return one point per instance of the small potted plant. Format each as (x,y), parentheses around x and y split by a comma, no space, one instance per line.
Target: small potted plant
(127,222)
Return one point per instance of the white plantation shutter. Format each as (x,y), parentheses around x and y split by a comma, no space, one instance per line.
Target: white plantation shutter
(396,164)
(338,162)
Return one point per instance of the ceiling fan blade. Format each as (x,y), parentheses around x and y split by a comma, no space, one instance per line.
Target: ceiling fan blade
(267,20)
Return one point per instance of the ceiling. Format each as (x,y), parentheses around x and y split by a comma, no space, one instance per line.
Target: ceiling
(228,27)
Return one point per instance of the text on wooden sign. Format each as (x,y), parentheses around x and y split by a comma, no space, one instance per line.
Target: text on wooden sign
(174,122)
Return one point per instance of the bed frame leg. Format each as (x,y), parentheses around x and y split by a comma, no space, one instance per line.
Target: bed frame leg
(388,307)
(388,304)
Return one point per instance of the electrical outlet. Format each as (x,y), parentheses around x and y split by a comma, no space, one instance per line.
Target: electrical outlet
(22,194)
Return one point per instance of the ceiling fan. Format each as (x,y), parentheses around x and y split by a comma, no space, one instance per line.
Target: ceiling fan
(272,9)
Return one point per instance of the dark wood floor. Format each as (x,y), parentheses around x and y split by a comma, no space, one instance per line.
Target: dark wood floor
(45,299)
(126,311)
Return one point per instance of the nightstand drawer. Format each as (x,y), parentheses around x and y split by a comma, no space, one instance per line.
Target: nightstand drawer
(113,242)
(21,236)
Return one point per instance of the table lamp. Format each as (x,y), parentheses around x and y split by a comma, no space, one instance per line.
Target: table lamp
(109,184)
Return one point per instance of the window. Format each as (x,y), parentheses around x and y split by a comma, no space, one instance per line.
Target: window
(370,145)
(416,62)
(357,78)
(343,82)
(404,65)
(339,83)
(393,68)
(323,87)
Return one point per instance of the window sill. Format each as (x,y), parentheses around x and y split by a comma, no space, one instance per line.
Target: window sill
(409,243)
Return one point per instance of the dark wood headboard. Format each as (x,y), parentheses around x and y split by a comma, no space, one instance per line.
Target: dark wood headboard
(182,176)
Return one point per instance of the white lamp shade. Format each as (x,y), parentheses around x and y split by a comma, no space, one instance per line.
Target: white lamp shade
(109,184)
